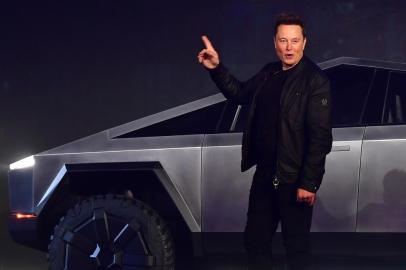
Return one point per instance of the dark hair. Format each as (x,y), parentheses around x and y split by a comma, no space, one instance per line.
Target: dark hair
(289,19)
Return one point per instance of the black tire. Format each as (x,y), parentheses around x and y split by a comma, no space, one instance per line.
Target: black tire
(111,232)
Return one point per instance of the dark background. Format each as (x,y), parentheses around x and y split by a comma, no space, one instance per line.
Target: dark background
(70,69)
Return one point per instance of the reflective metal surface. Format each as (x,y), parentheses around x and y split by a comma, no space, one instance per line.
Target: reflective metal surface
(382,189)
(181,164)
(336,206)
(363,188)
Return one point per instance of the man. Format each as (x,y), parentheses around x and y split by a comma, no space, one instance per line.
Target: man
(288,136)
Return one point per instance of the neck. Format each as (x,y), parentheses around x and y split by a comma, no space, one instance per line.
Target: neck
(285,67)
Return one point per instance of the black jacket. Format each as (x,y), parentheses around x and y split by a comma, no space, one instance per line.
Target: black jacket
(304,135)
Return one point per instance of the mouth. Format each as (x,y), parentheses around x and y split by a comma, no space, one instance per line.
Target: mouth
(289,56)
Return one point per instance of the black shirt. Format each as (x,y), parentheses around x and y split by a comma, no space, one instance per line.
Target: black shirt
(266,119)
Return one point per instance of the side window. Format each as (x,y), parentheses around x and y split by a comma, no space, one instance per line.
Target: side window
(349,88)
(376,97)
(395,105)
(201,121)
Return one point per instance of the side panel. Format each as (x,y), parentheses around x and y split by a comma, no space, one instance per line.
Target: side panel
(382,204)
(336,206)
(225,190)
(182,165)
(20,190)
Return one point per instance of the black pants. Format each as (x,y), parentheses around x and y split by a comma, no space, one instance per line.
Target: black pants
(268,206)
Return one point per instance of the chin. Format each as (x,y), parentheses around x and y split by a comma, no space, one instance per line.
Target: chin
(290,62)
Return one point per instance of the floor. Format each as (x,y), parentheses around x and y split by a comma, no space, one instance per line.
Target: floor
(21,259)
(325,262)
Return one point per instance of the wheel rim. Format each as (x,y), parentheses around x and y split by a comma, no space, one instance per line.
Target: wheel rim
(106,241)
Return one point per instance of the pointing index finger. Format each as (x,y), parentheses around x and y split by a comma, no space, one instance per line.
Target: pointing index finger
(207,43)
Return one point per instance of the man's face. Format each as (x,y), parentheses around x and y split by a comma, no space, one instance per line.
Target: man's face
(289,44)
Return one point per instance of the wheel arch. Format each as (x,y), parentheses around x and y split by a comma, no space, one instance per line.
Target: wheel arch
(148,181)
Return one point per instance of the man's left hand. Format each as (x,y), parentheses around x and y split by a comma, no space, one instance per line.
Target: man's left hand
(305,196)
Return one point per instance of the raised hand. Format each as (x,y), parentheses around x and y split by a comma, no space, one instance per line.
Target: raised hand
(208,57)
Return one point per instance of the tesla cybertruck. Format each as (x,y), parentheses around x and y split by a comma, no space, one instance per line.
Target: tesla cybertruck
(129,196)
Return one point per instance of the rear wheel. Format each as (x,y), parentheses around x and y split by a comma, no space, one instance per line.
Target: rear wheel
(111,232)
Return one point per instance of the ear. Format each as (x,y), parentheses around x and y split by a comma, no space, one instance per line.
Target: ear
(304,43)
(274,41)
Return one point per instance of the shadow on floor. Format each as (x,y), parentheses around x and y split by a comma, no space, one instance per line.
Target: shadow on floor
(320,262)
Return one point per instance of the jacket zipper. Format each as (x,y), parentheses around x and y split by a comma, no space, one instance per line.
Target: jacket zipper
(279,131)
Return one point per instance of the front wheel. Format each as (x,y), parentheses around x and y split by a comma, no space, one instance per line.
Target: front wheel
(111,232)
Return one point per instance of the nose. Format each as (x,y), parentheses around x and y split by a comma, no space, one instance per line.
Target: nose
(288,46)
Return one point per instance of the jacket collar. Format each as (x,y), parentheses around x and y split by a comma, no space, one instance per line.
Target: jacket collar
(299,66)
